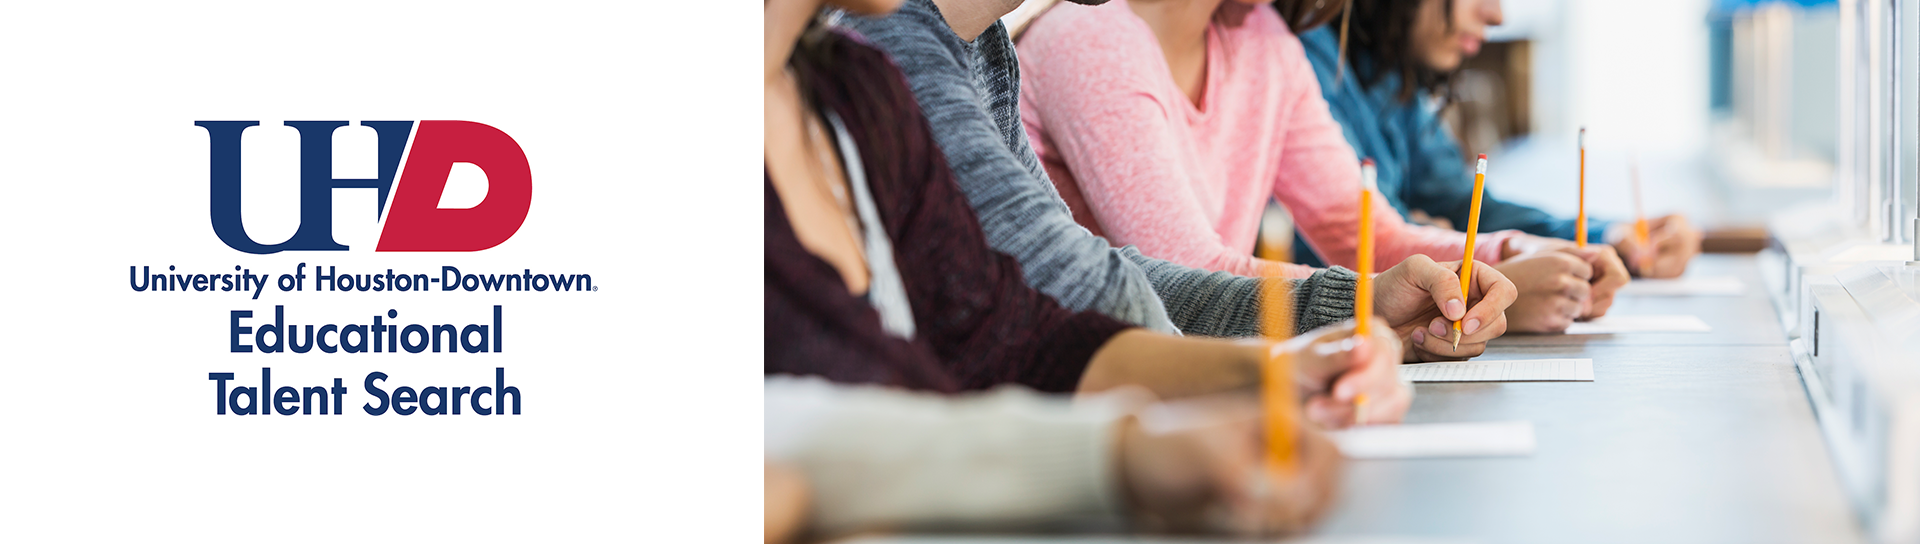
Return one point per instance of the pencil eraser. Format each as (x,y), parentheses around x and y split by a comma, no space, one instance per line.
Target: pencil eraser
(1366,161)
(1483,156)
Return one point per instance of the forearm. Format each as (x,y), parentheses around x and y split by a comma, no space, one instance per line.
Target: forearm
(1173,367)
(1498,215)
(1075,267)
(885,458)
(1225,305)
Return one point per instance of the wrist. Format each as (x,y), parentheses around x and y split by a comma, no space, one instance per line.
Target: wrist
(1616,232)
(1267,352)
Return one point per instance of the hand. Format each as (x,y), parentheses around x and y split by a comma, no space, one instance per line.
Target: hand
(1554,289)
(786,498)
(1609,275)
(1522,244)
(1332,366)
(1419,217)
(1671,243)
(1200,466)
(1421,299)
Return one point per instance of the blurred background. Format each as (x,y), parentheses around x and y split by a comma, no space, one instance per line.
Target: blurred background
(1731,108)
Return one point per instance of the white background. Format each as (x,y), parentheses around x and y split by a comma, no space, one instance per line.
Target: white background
(641,405)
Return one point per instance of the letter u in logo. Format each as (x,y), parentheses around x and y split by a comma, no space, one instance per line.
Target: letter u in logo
(414,222)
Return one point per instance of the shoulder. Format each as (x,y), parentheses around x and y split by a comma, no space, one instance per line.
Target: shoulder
(917,29)
(1258,24)
(852,69)
(1259,41)
(1076,36)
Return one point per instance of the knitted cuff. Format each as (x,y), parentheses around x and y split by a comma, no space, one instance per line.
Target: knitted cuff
(1323,299)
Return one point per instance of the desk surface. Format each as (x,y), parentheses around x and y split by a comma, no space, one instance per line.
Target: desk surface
(1745,320)
(1703,437)
(1697,438)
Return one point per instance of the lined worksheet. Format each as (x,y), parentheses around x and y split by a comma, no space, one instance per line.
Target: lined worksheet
(1704,286)
(1618,324)
(1517,370)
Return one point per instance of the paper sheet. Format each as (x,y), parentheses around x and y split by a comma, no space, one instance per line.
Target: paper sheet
(1704,286)
(1617,324)
(1492,439)
(1518,370)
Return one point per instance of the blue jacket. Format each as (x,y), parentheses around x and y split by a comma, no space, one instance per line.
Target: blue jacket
(1420,164)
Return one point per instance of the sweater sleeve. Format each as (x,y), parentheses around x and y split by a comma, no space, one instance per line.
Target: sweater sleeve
(886,458)
(1440,183)
(1021,214)
(1097,103)
(1224,305)
(971,304)
(1319,183)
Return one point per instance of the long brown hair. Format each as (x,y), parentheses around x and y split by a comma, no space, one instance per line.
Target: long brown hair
(1304,15)
(1382,31)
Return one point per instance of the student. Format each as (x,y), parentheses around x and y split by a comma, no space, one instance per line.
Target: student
(842,459)
(850,170)
(1393,42)
(961,64)
(1168,124)
(877,271)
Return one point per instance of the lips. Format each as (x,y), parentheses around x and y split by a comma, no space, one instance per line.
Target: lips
(1470,45)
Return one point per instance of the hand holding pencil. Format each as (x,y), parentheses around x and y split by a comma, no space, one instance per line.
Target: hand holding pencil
(1333,366)
(1670,245)
(1421,299)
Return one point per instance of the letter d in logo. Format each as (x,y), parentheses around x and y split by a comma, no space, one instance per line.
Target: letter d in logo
(416,222)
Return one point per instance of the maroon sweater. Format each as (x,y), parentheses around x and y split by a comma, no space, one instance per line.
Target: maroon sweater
(978,323)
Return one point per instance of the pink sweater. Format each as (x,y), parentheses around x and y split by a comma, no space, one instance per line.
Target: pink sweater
(1139,164)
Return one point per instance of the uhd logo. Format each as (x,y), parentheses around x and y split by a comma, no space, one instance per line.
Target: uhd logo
(414,222)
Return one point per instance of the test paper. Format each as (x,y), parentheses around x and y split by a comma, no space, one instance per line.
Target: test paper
(1704,286)
(1616,324)
(1518,370)
(1491,439)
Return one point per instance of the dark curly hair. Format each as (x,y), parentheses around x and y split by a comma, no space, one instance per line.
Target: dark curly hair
(1382,30)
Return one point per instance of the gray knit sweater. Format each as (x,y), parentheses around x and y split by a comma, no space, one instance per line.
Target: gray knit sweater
(970,93)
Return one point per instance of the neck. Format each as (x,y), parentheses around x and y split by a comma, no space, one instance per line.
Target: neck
(1180,25)
(969,18)
(786,19)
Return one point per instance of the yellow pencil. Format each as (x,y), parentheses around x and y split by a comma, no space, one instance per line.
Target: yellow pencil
(1276,380)
(1360,409)
(1580,221)
(1473,228)
(1363,289)
(1641,232)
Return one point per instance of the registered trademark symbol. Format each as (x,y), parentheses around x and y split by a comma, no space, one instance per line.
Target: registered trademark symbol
(596,288)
